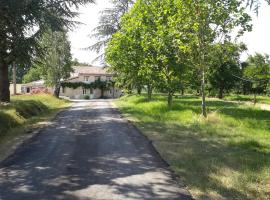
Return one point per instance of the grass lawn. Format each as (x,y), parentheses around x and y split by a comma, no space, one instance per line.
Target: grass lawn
(24,112)
(249,98)
(226,156)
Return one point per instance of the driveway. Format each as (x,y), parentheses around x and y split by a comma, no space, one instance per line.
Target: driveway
(88,152)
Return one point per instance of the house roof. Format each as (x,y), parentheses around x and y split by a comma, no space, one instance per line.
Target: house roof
(35,83)
(91,70)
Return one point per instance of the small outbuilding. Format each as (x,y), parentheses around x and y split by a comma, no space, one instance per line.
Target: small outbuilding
(35,88)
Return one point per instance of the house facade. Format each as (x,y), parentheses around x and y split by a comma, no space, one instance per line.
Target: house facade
(36,87)
(87,75)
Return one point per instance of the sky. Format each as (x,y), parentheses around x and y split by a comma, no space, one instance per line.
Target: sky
(257,41)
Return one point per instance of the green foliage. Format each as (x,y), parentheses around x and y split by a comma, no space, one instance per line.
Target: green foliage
(76,62)
(248,98)
(34,74)
(21,71)
(225,67)
(162,44)
(86,97)
(109,23)
(103,85)
(19,18)
(30,108)
(23,109)
(22,25)
(55,65)
(258,72)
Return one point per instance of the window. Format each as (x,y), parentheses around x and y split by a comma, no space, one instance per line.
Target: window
(86,78)
(63,90)
(108,78)
(84,91)
(91,91)
(97,78)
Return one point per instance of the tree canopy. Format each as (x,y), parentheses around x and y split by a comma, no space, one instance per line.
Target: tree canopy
(161,42)
(109,23)
(22,24)
(56,63)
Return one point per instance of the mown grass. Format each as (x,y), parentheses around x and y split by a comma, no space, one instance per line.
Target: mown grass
(25,110)
(226,156)
(248,98)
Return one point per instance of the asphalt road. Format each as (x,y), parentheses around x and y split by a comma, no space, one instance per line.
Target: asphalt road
(88,152)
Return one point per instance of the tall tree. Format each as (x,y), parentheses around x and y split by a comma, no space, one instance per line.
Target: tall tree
(20,71)
(56,64)
(161,42)
(225,67)
(258,73)
(109,23)
(21,25)
(210,22)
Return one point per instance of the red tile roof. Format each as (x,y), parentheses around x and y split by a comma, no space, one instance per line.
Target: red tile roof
(91,70)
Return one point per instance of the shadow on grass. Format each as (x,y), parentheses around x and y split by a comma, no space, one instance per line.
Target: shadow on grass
(20,112)
(254,118)
(212,164)
(29,108)
(6,122)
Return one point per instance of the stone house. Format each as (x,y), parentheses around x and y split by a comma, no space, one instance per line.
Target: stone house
(88,75)
(36,87)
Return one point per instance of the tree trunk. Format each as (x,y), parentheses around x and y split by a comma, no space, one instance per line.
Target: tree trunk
(220,94)
(14,79)
(149,92)
(209,92)
(255,98)
(182,91)
(130,89)
(139,90)
(4,83)
(203,95)
(113,91)
(56,92)
(170,98)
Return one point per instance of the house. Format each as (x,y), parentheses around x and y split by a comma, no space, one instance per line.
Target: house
(35,87)
(90,82)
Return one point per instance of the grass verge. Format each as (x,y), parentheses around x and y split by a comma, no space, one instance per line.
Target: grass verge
(23,113)
(249,98)
(226,156)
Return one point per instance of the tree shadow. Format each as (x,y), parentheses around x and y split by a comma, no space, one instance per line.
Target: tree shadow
(205,162)
(88,154)
(6,122)
(29,108)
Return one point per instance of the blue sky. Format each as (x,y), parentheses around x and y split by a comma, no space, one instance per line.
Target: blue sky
(257,41)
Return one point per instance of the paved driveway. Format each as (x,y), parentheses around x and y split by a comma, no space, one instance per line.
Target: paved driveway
(89,152)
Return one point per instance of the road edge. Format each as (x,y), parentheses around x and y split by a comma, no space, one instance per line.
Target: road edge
(173,174)
(28,134)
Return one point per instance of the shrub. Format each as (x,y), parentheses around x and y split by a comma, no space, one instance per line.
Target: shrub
(86,97)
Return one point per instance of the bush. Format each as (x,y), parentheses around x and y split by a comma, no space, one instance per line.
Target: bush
(87,97)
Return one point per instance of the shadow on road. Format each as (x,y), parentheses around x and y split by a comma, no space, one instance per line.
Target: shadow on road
(88,153)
